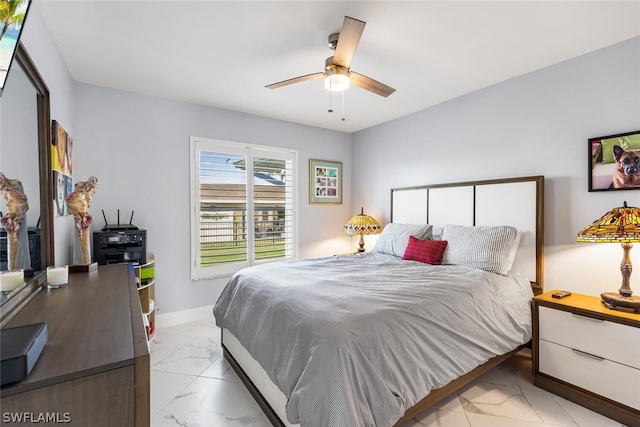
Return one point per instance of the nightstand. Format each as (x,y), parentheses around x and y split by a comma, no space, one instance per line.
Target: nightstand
(588,354)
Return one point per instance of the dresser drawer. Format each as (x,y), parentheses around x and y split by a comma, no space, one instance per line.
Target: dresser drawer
(614,341)
(601,376)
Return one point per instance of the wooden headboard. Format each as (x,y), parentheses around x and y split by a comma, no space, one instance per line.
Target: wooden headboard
(518,202)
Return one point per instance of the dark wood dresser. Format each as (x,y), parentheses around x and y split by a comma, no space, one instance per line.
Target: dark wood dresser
(94,369)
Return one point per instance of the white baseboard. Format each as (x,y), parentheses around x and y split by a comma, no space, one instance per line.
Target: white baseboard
(184,316)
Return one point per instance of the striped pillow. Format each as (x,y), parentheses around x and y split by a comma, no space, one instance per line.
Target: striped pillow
(395,237)
(489,248)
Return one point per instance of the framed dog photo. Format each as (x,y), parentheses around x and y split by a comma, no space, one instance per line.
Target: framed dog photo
(614,162)
(325,181)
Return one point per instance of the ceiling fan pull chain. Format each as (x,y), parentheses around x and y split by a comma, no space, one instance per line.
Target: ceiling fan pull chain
(330,92)
(343,118)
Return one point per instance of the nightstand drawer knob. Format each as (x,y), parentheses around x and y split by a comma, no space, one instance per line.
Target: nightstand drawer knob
(584,353)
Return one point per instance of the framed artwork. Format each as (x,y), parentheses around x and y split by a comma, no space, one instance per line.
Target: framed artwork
(62,165)
(614,162)
(325,181)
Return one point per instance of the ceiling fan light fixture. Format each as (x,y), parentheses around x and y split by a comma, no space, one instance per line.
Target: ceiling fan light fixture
(337,83)
(337,78)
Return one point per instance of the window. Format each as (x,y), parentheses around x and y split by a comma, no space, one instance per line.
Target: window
(243,201)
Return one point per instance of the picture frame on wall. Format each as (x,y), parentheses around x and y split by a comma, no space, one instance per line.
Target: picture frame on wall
(62,168)
(325,182)
(614,162)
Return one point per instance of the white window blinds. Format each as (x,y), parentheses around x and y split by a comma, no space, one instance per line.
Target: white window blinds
(243,199)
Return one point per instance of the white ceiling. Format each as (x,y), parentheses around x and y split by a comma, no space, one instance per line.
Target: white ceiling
(223,53)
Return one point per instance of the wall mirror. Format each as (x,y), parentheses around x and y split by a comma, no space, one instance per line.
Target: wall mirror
(25,138)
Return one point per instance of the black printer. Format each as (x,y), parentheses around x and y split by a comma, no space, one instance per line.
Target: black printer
(117,243)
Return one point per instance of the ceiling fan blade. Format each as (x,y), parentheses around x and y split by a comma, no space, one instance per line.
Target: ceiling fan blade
(295,80)
(348,41)
(370,84)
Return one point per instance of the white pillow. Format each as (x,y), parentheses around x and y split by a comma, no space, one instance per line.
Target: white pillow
(395,237)
(436,232)
(489,248)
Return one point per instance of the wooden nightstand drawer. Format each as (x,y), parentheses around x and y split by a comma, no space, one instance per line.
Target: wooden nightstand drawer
(614,341)
(601,376)
(588,354)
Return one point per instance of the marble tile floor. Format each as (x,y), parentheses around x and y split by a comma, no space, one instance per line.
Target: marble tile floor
(193,386)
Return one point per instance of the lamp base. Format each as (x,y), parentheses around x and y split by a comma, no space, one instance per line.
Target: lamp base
(615,301)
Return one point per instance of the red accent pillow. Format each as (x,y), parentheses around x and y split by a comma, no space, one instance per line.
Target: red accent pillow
(427,251)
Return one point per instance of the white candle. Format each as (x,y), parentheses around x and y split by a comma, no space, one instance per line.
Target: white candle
(11,280)
(57,276)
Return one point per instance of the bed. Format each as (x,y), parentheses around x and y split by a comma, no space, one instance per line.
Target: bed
(374,339)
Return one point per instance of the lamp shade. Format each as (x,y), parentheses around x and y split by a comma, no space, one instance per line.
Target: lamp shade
(619,225)
(362,224)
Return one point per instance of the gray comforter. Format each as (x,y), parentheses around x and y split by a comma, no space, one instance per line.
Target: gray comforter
(356,340)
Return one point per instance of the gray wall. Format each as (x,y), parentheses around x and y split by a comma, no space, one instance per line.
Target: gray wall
(536,124)
(138,147)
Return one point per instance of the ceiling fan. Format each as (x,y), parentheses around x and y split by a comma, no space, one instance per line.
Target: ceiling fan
(336,72)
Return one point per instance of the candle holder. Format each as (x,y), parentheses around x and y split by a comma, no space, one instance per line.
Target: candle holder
(57,276)
(10,280)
